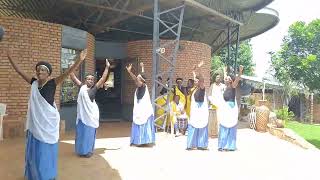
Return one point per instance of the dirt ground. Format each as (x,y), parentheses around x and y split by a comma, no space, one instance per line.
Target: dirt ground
(259,156)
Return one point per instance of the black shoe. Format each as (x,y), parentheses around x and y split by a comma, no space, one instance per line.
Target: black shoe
(231,150)
(202,148)
(86,155)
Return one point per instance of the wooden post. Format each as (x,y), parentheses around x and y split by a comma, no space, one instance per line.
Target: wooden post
(311,108)
(301,107)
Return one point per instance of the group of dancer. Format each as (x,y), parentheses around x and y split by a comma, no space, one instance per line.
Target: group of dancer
(42,125)
(189,110)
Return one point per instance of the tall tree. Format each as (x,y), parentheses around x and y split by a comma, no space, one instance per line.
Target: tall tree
(298,61)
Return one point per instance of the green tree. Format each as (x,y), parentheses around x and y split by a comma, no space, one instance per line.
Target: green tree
(244,58)
(298,60)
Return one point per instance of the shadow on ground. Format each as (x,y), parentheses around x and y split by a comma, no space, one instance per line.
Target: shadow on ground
(70,166)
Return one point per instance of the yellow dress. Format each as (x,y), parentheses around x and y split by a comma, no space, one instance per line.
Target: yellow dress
(188,106)
(173,111)
(162,101)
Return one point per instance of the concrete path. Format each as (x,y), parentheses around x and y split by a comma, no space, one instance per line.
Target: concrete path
(260,156)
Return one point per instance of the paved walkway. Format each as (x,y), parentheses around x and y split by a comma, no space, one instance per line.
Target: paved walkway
(260,156)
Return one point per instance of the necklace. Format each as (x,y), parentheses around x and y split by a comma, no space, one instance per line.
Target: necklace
(43,85)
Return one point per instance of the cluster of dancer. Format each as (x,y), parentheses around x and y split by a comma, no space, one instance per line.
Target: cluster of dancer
(42,126)
(189,110)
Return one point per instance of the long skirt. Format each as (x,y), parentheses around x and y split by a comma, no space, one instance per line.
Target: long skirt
(213,123)
(85,139)
(40,159)
(227,138)
(197,137)
(143,134)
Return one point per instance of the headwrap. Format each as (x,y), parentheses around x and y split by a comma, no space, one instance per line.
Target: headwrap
(179,79)
(89,74)
(46,64)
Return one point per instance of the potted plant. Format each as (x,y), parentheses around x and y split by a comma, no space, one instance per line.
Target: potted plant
(283,115)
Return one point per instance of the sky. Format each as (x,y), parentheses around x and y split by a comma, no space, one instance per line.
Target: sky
(289,11)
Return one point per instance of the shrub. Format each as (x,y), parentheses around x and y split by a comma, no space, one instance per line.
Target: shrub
(285,114)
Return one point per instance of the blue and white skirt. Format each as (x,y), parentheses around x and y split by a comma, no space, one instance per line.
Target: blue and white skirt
(227,138)
(197,137)
(85,139)
(40,159)
(143,134)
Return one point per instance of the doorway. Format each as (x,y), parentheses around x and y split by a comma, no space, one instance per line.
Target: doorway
(109,100)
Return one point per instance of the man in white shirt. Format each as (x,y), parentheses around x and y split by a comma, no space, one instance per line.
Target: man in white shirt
(215,95)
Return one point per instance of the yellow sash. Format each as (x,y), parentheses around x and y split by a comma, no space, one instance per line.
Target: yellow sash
(189,101)
(182,97)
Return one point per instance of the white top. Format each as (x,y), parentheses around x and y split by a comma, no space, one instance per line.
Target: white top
(216,93)
(180,108)
(142,108)
(87,110)
(199,112)
(228,116)
(42,118)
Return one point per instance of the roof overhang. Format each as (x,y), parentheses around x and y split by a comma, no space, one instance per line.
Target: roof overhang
(204,20)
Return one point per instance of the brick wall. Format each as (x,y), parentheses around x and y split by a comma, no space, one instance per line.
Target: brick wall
(190,53)
(30,41)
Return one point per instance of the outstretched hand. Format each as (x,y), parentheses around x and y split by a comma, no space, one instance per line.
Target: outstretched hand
(200,64)
(241,69)
(141,64)
(225,69)
(83,54)
(107,63)
(129,67)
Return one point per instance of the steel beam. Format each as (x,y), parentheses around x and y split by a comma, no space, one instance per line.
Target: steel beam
(169,59)
(130,13)
(236,51)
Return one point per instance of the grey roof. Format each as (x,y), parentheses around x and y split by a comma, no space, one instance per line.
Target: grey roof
(260,80)
(108,23)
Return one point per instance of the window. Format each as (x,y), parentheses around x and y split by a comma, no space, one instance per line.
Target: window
(69,91)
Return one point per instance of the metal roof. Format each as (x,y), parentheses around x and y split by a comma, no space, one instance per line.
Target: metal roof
(127,20)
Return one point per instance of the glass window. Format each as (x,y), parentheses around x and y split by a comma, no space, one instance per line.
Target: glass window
(69,91)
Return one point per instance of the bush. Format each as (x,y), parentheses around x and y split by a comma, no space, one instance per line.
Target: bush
(284,114)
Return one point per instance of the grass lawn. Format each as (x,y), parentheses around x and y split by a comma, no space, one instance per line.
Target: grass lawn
(309,132)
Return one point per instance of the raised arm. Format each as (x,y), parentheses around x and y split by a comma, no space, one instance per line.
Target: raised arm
(236,81)
(195,67)
(225,72)
(104,75)
(137,82)
(24,75)
(199,73)
(142,67)
(75,79)
(80,59)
